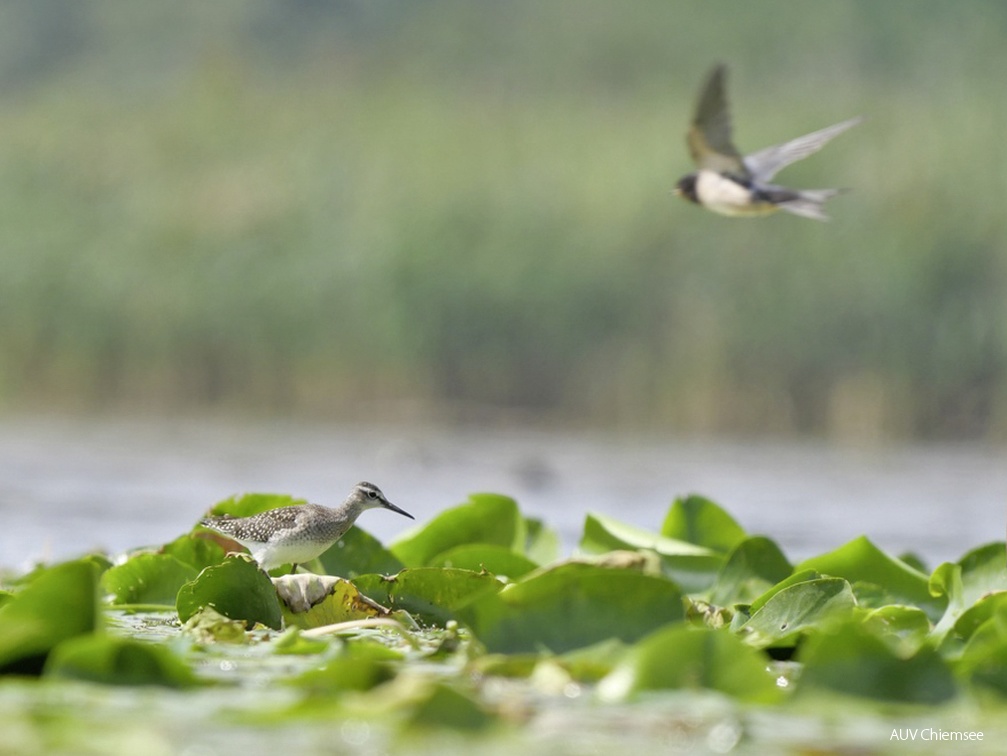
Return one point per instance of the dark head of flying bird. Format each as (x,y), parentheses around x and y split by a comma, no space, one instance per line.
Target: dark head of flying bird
(729,184)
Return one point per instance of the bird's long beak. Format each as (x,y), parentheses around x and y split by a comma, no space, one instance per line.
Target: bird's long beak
(389,505)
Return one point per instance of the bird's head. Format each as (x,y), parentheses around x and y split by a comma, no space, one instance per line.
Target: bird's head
(686,188)
(369,496)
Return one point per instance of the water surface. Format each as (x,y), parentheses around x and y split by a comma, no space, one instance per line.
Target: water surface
(68,486)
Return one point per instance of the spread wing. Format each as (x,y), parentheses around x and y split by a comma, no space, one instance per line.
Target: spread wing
(766,163)
(709,136)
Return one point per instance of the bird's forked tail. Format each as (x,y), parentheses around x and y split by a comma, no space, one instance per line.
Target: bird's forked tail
(809,203)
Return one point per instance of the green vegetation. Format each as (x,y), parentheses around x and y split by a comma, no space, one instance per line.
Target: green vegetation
(339,208)
(738,651)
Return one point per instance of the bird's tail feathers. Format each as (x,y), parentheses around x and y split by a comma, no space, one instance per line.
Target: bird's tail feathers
(809,203)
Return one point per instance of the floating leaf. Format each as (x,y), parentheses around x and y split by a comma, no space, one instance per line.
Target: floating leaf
(592,663)
(360,665)
(791,612)
(497,560)
(100,562)
(315,600)
(294,643)
(798,576)
(873,596)
(962,584)
(210,626)
(903,628)
(541,543)
(701,522)
(862,561)
(570,606)
(485,518)
(586,664)
(693,567)
(194,550)
(647,562)
(983,660)
(976,615)
(915,561)
(59,603)
(445,706)
(359,553)
(147,579)
(682,656)
(431,595)
(118,661)
(236,588)
(754,566)
(851,659)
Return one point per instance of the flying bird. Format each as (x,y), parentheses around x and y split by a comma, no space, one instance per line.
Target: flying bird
(730,184)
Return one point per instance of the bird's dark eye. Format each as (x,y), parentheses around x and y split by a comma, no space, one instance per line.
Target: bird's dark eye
(372,494)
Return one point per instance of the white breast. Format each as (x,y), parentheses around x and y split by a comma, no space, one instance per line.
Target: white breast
(727,197)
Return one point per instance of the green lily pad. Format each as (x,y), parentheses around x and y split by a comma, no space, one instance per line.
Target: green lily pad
(801,607)
(118,661)
(701,522)
(983,660)
(294,643)
(541,542)
(478,557)
(586,664)
(862,561)
(194,550)
(904,628)
(682,656)
(485,518)
(851,659)
(693,567)
(798,576)
(315,600)
(360,665)
(754,566)
(359,553)
(60,602)
(431,595)
(976,615)
(873,596)
(446,707)
(152,579)
(236,588)
(210,626)
(570,606)
(962,584)
(592,663)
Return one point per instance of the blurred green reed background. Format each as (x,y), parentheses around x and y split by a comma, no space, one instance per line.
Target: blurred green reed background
(448,209)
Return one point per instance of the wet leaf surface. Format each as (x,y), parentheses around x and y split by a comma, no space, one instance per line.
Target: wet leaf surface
(147,579)
(570,606)
(60,603)
(483,519)
(237,589)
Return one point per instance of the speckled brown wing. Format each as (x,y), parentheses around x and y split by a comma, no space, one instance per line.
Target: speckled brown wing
(257,527)
(709,136)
